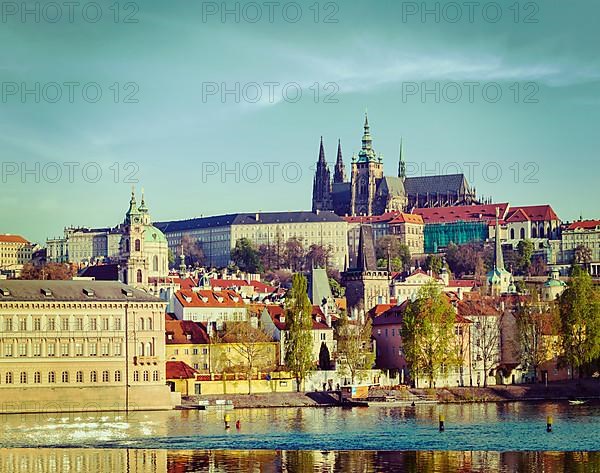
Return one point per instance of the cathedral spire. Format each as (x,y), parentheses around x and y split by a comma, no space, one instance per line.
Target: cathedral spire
(339,174)
(321,198)
(143,207)
(367,141)
(321,152)
(401,163)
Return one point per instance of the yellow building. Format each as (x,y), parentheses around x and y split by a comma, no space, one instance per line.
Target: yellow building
(15,251)
(80,346)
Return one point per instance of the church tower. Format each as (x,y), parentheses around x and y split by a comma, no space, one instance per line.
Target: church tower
(401,163)
(321,198)
(367,173)
(339,175)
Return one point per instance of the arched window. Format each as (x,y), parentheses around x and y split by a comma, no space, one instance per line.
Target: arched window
(512,233)
(522,233)
(93,376)
(149,323)
(141,323)
(136,376)
(105,376)
(37,377)
(117,376)
(534,232)
(542,231)
(138,245)
(155,376)
(142,349)
(155,263)
(65,376)
(139,275)
(23,379)
(149,349)
(9,378)
(79,377)
(146,376)
(52,377)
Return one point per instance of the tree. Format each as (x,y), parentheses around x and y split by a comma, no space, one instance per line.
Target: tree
(294,254)
(354,349)
(298,343)
(245,256)
(525,252)
(337,290)
(192,248)
(538,266)
(390,251)
(580,320)
(268,257)
(487,342)
(463,259)
(536,328)
(428,333)
(48,271)
(171,258)
(324,357)
(434,263)
(252,347)
(318,256)
(582,255)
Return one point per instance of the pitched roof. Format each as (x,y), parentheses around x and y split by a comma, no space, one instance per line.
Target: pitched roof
(180,370)
(80,291)
(318,286)
(518,215)
(102,272)
(179,332)
(403,217)
(209,298)
(584,225)
(394,185)
(461,213)
(536,213)
(7,238)
(442,184)
(277,314)
(258,286)
(477,307)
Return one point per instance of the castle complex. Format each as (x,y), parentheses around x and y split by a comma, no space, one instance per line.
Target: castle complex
(370,192)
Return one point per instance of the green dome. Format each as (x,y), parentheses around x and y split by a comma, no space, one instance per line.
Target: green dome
(554,283)
(154,235)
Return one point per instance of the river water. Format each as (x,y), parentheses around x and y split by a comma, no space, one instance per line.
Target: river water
(478,437)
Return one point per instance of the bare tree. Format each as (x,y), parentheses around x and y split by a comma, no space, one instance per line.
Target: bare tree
(487,342)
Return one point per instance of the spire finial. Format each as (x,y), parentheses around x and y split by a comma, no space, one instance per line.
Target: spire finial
(401,163)
(321,152)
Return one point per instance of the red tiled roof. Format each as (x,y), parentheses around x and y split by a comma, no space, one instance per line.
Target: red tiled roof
(584,225)
(208,298)
(380,309)
(236,283)
(277,314)
(12,239)
(180,370)
(518,216)
(462,283)
(461,213)
(407,218)
(386,217)
(536,213)
(177,331)
(479,306)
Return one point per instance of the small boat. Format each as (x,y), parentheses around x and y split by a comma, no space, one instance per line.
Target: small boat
(576,402)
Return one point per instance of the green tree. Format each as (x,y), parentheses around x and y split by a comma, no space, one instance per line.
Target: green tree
(171,258)
(390,251)
(525,252)
(354,348)
(580,319)
(434,263)
(428,334)
(324,357)
(298,343)
(246,257)
(337,290)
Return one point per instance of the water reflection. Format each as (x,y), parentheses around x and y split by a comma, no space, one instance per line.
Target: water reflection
(267,461)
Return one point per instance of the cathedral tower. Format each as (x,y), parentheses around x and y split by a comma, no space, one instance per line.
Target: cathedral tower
(321,198)
(339,175)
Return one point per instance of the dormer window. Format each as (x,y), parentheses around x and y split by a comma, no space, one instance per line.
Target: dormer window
(188,299)
(204,299)
(46,292)
(169,336)
(4,291)
(88,292)
(282,319)
(189,336)
(220,299)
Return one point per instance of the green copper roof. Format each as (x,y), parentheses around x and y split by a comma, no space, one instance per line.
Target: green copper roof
(154,235)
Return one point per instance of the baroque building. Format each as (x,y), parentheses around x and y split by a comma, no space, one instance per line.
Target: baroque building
(370,192)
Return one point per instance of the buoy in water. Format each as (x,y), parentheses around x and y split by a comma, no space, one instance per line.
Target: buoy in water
(442,419)
(549,422)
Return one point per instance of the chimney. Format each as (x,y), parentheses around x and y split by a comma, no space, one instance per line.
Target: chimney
(257,216)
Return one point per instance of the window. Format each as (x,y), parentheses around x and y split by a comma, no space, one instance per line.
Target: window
(79,377)
(105,349)
(176,351)
(37,324)
(146,375)
(138,245)
(117,323)
(51,324)
(65,377)
(9,378)
(51,349)
(93,376)
(155,376)
(104,324)
(195,366)
(512,233)
(52,377)
(155,263)
(149,323)
(117,376)
(93,349)
(22,349)
(139,276)
(93,324)
(64,324)
(37,377)
(205,351)
(23,377)
(79,323)
(194,351)
(64,349)
(117,349)
(141,324)
(105,376)
(186,351)
(8,325)
(23,324)
(136,376)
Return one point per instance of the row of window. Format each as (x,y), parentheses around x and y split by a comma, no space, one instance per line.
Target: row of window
(65,324)
(77,349)
(65,377)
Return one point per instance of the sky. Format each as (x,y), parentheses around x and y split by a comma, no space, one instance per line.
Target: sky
(218,107)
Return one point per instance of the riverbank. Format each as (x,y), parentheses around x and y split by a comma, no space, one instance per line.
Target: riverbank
(586,389)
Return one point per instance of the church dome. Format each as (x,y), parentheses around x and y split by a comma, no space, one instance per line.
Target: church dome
(154,235)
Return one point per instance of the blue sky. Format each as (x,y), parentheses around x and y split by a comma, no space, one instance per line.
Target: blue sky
(373,57)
